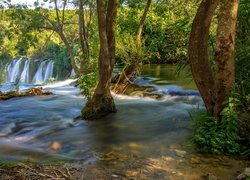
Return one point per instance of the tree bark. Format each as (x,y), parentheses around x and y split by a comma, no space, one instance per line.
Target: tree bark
(198,52)
(224,54)
(215,83)
(102,103)
(71,53)
(81,25)
(84,56)
(142,22)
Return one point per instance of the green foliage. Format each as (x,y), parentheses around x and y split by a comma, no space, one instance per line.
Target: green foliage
(243,54)
(127,50)
(217,137)
(51,80)
(87,83)
(165,33)
(60,56)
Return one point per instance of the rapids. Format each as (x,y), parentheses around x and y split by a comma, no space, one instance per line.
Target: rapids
(30,125)
(145,138)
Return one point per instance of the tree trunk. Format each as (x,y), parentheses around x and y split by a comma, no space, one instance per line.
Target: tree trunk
(124,78)
(84,56)
(102,103)
(215,83)
(71,53)
(198,52)
(224,54)
(143,18)
(81,25)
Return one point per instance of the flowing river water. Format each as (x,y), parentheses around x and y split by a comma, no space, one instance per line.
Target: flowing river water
(146,139)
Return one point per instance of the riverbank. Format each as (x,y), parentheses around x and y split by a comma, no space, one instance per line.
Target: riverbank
(183,166)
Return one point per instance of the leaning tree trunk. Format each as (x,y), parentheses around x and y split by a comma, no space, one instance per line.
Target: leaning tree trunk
(142,22)
(102,102)
(70,50)
(125,76)
(198,52)
(224,54)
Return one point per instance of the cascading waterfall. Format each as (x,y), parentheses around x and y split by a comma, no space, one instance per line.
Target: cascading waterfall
(39,76)
(72,74)
(25,74)
(14,70)
(29,71)
(49,71)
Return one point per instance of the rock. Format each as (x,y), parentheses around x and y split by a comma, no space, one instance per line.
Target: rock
(56,146)
(196,160)
(244,175)
(35,91)
(180,153)
(134,145)
(247,172)
(114,175)
(30,92)
(210,176)
(137,93)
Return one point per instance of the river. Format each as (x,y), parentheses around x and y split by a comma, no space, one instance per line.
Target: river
(146,135)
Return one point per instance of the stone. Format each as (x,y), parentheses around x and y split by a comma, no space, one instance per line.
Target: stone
(210,176)
(247,172)
(180,153)
(56,146)
(244,175)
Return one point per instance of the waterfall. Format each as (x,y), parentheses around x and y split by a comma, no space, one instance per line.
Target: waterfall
(14,70)
(39,76)
(72,74)
(49,71)
(29,71)
(25,74)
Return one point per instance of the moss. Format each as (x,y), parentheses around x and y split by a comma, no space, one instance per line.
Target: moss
(98,106)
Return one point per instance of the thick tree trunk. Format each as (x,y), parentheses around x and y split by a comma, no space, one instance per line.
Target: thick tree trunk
(198,52)
(102,102)
(224,54)
(215,83)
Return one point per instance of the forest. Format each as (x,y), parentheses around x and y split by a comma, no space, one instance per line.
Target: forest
(125,89)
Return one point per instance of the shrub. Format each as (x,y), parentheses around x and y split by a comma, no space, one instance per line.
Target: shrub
(216,137)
